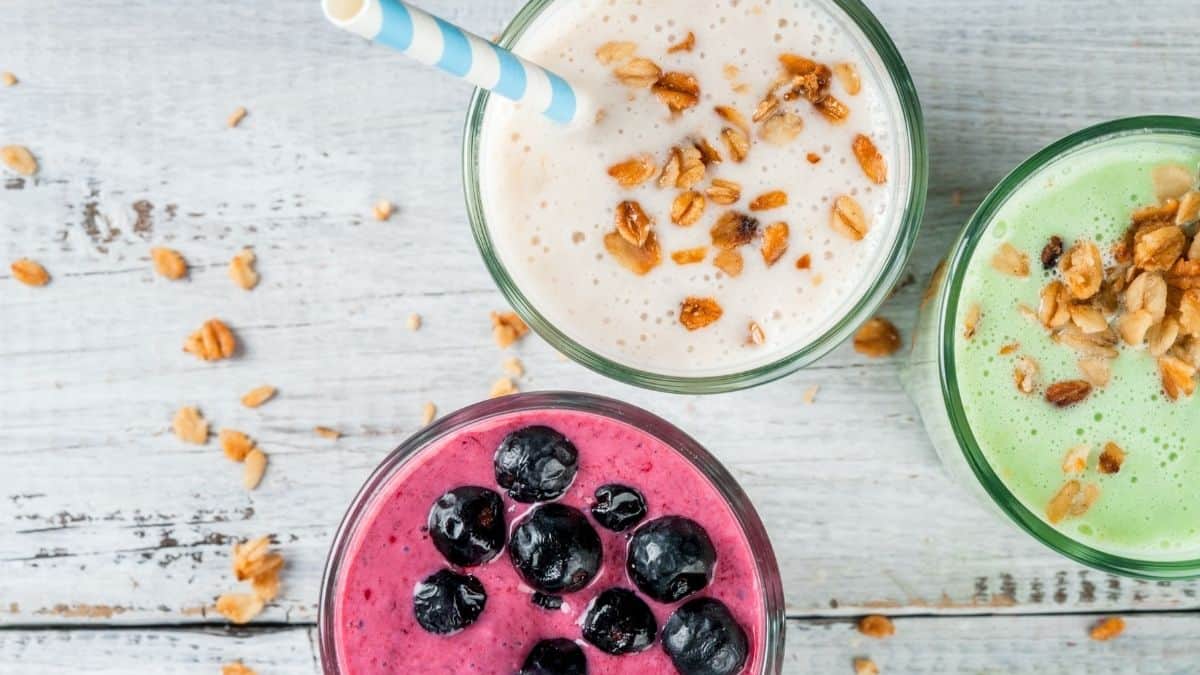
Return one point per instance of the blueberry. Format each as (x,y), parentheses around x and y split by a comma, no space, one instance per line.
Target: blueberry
(618,507)
(467,525)
(535,464)
(557,656)
(670,558)
(556,549)
(702,638)
(551,602)
(447,602)
(619,622)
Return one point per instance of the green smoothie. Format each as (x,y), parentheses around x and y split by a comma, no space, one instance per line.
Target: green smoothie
(1008,360)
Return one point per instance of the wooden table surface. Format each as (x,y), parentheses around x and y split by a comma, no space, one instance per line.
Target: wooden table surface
(114,536)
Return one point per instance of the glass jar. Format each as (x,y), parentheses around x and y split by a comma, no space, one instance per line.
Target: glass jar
(930,377)
(380,484)
(905,110)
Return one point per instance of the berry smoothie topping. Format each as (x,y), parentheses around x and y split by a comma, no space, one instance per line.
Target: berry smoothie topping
(702,638)
(618,507)
(555,549)
(556,656)
(671,558)
(467,525)
(572,588)
(535,464)
(447,602)
(619,622)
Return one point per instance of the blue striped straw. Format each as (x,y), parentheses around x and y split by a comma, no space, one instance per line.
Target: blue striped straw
(434,42)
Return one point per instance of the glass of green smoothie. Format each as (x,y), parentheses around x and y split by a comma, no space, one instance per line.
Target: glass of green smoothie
(1054,362)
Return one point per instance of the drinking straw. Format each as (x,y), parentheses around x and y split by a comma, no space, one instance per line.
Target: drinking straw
(435,42)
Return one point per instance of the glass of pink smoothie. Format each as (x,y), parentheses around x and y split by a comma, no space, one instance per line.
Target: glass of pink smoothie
(628,478)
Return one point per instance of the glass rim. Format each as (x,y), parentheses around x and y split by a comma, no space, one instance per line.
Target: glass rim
(909,221)
(766,564)
(962,252)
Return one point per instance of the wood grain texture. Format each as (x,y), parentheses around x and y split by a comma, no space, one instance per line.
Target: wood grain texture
(105,518)
(1158,644)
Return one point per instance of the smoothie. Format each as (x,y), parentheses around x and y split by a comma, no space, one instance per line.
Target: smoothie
(736,190)
(618,552)
(1078,334)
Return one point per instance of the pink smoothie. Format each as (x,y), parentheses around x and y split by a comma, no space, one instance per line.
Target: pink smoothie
(376,629)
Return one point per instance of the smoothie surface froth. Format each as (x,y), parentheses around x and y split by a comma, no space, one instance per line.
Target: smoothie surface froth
(549,201)
(1150,508)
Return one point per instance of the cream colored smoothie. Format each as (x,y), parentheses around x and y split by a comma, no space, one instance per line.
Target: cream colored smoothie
(1077,342)
(737,188)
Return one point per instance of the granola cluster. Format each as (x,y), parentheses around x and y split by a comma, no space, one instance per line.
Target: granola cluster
(1147,297)
(1144,295)
(690,169)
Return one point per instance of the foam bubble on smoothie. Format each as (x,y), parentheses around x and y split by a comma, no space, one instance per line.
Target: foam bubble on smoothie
(549,201)
(1149,509)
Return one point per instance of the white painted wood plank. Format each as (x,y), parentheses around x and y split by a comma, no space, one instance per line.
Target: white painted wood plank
(1158,644)
(105,518)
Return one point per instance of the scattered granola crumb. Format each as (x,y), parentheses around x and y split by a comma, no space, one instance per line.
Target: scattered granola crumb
(1068,393)
(383,210)
(1075,461)
(1108,629)
(847,74)
(326,432)
(236,669)
(1025,374)
(212,342)
(690,256)
(190,426)
(414,322)
(769,200)
(236,117)
(29,272)
(774,242)
(19,159)
(8,79)
(1097,372)
(235,444)
(865,667)
(687,44)
(737,142)
(804,262)
(687,209)
(730,262)
(870,159)
(255,465)
(877,338)
(971,320)
(428,413)
(679,91)
(507,328)
(633,171)
(169,263)
(241,269)
(639,73)
(810,394)
(513,366)
(724,192)
(254,561)
(1010,348)
(755,335)
(637,259)
(1111,458)
(1072,499)
(696,313)
(615,52)
(876,626)
(782,128)
(814,158)
(240,608)
(733,116)
(1011,261)
(258,396)
(848,219)
(503,387)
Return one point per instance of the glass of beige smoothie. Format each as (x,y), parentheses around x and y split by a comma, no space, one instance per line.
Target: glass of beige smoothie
(741,193)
